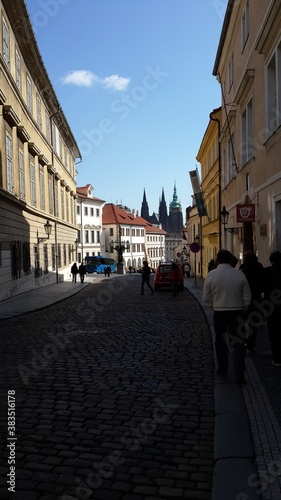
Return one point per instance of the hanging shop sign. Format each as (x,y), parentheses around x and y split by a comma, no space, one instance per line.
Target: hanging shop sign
(245,212)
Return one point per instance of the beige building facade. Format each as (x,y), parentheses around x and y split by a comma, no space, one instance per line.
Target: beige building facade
(38,156)
(247,67)
(209,158)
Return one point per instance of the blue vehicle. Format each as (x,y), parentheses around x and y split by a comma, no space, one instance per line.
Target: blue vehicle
(97,264)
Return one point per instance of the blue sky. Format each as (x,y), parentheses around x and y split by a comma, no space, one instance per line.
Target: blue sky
(134,79)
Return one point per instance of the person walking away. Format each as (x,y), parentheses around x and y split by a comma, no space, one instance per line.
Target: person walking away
(174,276)
(227,291)
(272,294)
(187,270)
(211,265)
(252,269)
(74,272)
(82,272)
(146,271)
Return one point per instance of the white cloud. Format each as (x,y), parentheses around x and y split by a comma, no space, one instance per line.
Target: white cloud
(81,78)
(85,78)
(116,82)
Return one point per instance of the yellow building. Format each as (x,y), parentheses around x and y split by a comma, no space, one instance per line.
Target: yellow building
(247,66)
(38,154)
(209,158)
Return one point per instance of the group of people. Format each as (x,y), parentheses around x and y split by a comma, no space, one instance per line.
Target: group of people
(81,270)
(242,299)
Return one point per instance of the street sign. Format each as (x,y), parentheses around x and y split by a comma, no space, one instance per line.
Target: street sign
(194,247)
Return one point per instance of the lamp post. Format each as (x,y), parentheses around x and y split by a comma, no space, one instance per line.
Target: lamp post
(48,229)
(120,246)
(224,215)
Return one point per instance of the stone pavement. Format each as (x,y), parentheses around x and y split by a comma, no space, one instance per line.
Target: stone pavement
(114,399)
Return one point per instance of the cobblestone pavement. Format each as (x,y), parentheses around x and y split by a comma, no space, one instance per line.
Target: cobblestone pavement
(114,397)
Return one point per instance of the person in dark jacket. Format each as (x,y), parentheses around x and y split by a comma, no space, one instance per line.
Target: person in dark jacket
(146,271)
(82,272)
(74,271)
(252,269)
(272,296)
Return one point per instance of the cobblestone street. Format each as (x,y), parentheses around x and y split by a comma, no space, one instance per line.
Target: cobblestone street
(113,396)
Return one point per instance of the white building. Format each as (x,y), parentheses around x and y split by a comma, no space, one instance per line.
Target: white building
(155,244)
(89,223)
(123,228)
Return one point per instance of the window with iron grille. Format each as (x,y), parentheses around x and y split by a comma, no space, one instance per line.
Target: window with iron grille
(16,259)
(45,258)
(53,250)
(64,254)
(59,255)
(26,262)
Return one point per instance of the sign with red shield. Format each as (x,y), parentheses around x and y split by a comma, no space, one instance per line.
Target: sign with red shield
(245,212)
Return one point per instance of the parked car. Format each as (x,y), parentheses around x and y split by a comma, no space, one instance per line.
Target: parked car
(162,278)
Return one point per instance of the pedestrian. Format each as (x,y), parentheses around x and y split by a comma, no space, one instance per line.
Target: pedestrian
(107,271)
(74,272)
(227,291)
(253,270)
(174,277)
(234,261)
(211,265)
(272,297)
(146,271)
(187,270)
(82,272)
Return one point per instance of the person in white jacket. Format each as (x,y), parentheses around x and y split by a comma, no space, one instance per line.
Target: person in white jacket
(227,292)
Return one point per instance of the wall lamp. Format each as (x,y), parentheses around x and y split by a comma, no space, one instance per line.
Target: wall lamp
(224,219)
(48,229)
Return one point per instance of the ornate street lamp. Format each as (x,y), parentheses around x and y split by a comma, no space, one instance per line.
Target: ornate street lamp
(224,220)
(120,247)
(48,229)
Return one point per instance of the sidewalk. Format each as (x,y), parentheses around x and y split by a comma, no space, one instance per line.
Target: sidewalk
(248,418)
(247,451)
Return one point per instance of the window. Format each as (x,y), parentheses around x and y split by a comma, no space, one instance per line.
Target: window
(5,42)
(51,193)
(67,206)
(274,91)
(86,211)
(18,70)
(56,200)
(62,202)
(93,236)
(38,109)
(97,212)
(111,231)
(247,182)
(247,133)
(32,185)
(245,25)
(98,237)
(29,94)
(231,161)
(22,176)
(9,163)
(48,128)
(42,188)
(45,258)
(86,236)
(78,209)
(92,212)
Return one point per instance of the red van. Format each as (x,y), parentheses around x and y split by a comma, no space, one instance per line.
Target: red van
(162,278)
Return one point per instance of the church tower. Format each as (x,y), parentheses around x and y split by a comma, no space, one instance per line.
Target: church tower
(163,214)
(144,207)
(175,214)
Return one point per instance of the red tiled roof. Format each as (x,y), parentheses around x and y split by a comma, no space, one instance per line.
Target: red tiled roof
(82,192)
(116,215)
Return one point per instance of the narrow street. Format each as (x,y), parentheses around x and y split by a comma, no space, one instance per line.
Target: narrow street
(113,396)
